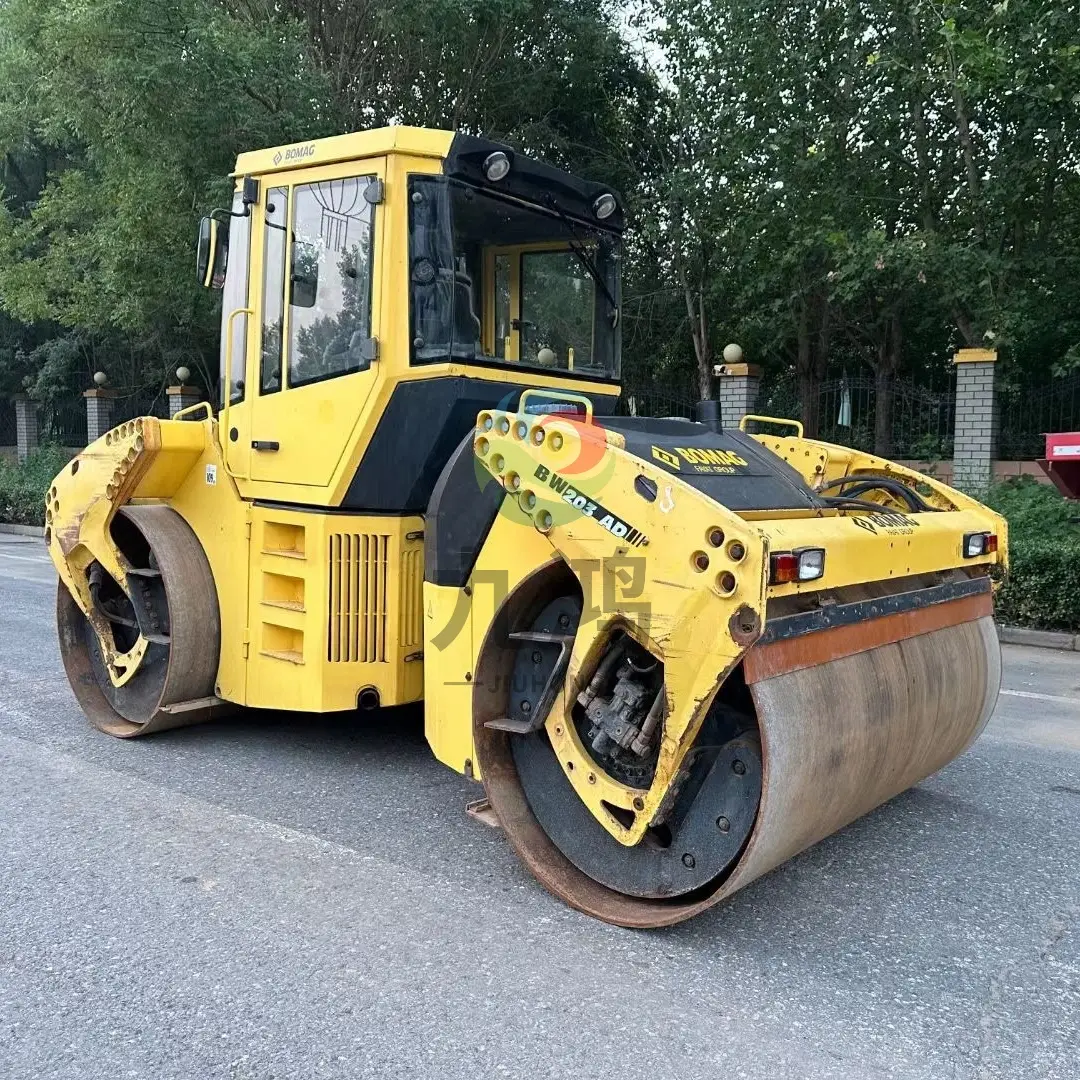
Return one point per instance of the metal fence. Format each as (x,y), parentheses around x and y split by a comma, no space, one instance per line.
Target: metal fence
(127,405)
(921,424)
(1027,413)
(778,395)
(669,397)
(922,419)
(63,422)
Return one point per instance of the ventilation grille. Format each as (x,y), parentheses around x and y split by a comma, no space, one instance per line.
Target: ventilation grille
(412,598)
(357,631)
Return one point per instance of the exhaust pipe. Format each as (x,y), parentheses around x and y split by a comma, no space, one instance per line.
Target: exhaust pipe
(707,412)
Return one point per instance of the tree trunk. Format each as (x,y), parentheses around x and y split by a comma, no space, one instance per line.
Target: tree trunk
(809,400)
(965,326)
(888,363)
(883,409)
(699,331)
(967,150)
(811,358)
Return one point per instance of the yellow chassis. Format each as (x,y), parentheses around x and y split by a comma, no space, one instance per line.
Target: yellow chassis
(695,606)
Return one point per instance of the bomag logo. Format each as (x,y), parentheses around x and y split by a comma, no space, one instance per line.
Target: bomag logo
(294,153)
(892,524)
(699,459)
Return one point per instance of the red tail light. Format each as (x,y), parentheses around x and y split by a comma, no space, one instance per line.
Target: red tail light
(978,544)
(806,564)
(783,567)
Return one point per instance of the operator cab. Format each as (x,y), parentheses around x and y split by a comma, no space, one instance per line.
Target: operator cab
(380,288)
(513,266)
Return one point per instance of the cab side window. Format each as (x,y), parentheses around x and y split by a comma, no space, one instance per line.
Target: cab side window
(276,231)
(330,282)
(233,296)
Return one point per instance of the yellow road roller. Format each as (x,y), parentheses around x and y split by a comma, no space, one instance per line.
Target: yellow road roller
(675,652)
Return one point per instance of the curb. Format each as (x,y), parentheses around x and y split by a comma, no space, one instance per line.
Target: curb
(22,530)
(1040,639)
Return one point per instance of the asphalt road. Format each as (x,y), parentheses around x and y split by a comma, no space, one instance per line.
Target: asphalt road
(298,897)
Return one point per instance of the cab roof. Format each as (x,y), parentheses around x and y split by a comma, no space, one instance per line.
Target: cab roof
(463,158)
(423,142)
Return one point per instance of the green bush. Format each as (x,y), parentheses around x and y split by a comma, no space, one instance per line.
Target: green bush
(23,485)
(1043,590)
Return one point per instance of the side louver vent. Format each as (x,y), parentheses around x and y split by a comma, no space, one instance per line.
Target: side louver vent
(357,601)
(412,598)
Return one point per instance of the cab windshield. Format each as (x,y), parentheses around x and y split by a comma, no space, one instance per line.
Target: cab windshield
(501,282)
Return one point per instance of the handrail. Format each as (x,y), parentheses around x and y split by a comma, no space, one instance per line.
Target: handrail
(557,395)
(797,425)
(223,420)
(183,414)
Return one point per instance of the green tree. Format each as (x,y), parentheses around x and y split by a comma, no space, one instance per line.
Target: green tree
(121,122)
(121,119)
(876,178)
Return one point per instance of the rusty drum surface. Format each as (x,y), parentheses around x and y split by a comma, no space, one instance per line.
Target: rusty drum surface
(174,685)
(846,723)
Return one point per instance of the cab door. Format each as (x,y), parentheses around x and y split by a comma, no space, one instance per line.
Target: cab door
(316,319)
(238,298)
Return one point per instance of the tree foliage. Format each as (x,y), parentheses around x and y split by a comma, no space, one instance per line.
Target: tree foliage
(835,184)
(877,179)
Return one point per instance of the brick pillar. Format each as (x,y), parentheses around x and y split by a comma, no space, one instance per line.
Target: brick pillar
(99,407)
(738,385)
(182,397)
(975,435)
(26,426)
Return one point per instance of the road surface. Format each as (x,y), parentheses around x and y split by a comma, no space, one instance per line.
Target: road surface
(298,898)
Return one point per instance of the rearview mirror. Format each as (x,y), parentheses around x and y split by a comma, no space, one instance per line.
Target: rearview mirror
(304,283)
(212,253)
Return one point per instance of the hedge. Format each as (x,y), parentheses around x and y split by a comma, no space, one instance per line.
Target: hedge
(23,486)
(1043,590)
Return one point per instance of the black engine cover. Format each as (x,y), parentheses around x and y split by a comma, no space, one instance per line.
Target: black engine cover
(728,466)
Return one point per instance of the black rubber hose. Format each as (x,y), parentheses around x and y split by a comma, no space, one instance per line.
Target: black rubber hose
(840,502)
(859,485)
(863,484)
(913,502)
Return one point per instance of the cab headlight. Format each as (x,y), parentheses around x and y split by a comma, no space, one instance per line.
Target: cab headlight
(496,166)
(604,205)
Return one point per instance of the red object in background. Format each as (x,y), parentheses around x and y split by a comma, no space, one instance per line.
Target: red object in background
(1062,462)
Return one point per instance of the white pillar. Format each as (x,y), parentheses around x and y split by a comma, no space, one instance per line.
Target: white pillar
(975,434)
(182,397)
(99,408)
(738,391)
(26,426)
